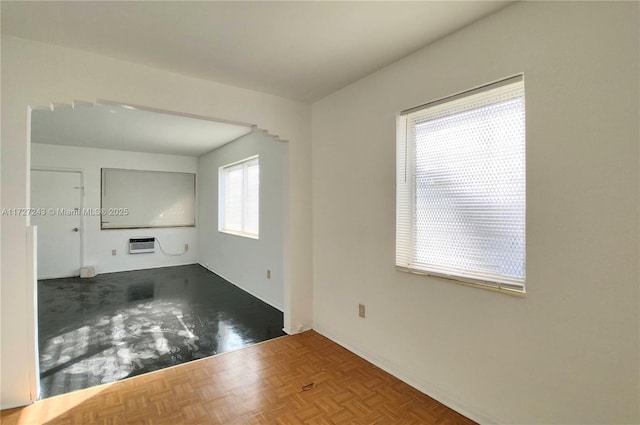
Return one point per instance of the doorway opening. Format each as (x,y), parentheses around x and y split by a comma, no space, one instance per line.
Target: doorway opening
(197,292)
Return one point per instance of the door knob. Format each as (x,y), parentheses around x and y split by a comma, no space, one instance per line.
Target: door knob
(75,229)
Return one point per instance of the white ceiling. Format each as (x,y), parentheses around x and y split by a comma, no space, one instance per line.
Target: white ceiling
(298,50)
(109,126)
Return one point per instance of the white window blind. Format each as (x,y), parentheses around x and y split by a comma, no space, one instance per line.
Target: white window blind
(239,198)
(150,198)
(461,187)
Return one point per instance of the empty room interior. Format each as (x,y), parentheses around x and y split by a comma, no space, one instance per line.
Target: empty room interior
(124,284)
(320,212)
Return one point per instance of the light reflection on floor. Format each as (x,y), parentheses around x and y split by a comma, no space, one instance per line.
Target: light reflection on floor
(99,330)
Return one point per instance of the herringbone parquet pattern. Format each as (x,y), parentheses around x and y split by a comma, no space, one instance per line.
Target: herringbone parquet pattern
(300,379)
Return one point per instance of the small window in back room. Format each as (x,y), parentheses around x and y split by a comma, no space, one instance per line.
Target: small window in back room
(460,207)
(239,198)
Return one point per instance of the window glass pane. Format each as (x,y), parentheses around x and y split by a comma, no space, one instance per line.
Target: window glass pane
(239,198)
(233,200)
(470,190)
(253,199)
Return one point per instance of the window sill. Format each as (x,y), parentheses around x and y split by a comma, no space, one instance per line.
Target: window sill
(241,234)
(491,286)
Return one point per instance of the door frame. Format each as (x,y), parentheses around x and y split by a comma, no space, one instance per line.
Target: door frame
(82,219)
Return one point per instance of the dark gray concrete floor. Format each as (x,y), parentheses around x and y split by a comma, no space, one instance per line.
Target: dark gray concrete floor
(117,325)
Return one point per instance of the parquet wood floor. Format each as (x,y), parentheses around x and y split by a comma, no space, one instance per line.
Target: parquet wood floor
(298,379)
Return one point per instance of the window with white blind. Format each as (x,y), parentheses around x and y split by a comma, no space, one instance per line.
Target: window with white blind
(239,198)
(461,187)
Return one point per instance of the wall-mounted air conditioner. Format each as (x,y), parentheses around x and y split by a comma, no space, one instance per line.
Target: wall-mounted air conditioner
(142,245)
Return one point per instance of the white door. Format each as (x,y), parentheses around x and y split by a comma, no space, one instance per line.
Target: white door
(59,194)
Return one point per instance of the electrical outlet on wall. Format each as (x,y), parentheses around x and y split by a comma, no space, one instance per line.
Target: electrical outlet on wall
(361,310)
(186,247)
(113,252)
(268,274)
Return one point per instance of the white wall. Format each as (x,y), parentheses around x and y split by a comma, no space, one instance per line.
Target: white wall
(244,261)
(568,351)
(99,243)
(35,74)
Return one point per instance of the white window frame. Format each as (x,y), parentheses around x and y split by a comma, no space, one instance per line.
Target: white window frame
(223,172)
(406,189)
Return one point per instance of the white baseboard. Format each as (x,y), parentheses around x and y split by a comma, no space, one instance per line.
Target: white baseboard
(298,331)
(406,377)
(58,277)
(258,296)
(14,405)
(118,270)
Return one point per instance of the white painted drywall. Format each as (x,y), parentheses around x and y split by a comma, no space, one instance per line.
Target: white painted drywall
(99,243)
(245,261)
(567,353)
(35,74)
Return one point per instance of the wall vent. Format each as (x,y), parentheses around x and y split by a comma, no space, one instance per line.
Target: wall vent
(142,245)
